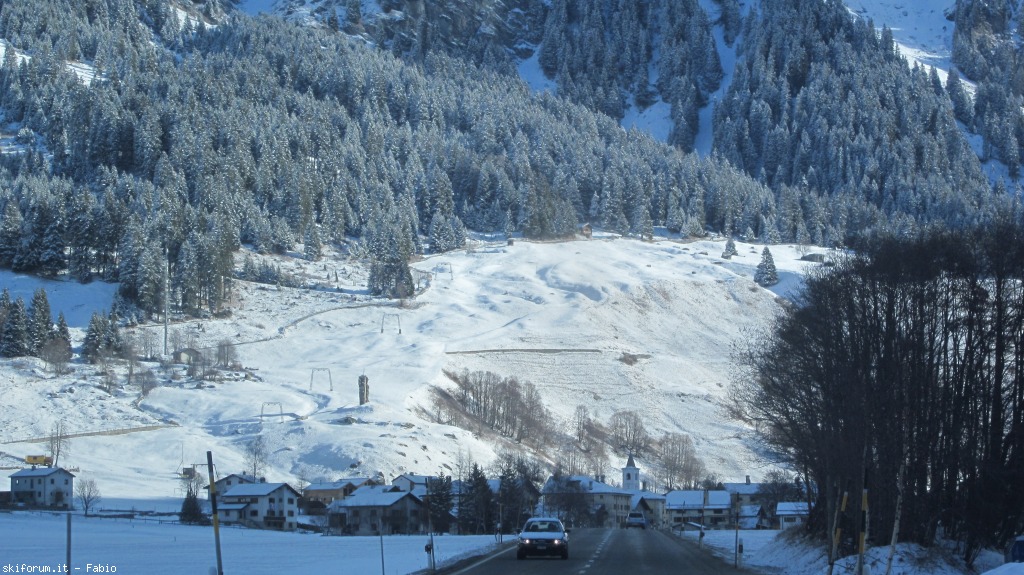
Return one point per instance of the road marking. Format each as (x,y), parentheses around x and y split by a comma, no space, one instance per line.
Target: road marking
(482,561)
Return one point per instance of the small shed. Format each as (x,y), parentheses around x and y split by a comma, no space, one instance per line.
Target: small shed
(188,356)
(791,513)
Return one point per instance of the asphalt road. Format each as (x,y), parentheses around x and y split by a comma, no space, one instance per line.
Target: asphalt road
(612,552)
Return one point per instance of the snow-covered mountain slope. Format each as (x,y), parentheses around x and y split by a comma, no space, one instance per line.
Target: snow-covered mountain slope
(607,323)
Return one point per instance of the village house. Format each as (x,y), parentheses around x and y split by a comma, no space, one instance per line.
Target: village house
(411,482)
(791,513)
(372,510)
(317,496)
(228,481)
(608,505)
(712,509)
(43,487)
(742,493)
(753,517)
(651,505)
(262,505)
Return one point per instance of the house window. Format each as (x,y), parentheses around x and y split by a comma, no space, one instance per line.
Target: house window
(51,481)
(291,513)
(291,500)
(253,513)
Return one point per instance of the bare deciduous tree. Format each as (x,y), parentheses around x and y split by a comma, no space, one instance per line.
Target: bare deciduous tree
(58,443)
(680,465)
(628,432)
(257,456)
(87,493)
(56,353)
(147,382)
(226,353)
(581,425)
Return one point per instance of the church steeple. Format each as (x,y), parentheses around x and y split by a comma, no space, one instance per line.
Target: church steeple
(631,475)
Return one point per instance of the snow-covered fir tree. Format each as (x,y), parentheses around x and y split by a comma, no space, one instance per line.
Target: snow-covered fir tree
(730,249)
(766,274)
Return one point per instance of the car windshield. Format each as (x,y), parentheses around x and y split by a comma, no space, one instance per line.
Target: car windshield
(543,526)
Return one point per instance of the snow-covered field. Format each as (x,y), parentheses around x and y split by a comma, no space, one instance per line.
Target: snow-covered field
(788,553)
(132,547)
(569,317)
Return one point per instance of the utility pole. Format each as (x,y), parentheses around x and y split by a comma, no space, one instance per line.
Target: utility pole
(167,280)
(213,511)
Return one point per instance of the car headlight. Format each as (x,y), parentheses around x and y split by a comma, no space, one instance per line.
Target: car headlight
(557,542)
(524,541)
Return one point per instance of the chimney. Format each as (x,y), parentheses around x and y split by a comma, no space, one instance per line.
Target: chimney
(748,480)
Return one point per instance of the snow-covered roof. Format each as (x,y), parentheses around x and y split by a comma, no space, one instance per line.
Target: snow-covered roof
(750,510)
(693,499)
(742,488)
(368,489)
(413,478)
(256,489)
(371,499)
(332,486)
(792,508)
(339,484)
(40,472)
(240,476)
(591,485)
(231,506)
(639,496)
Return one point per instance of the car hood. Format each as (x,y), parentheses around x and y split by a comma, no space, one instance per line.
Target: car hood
(543,535)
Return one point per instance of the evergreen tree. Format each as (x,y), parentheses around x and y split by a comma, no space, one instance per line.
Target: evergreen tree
(40,321)
(94,338)
(766,275)
(476,514)
(10,233)
(730,249)
(191,511)
(439,502)
(312,245)
(17,337)
(62,334)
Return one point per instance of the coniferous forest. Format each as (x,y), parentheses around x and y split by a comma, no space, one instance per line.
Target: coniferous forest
(193,136)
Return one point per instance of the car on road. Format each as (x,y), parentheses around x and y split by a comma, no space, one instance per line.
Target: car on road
(543,536)
(636,519)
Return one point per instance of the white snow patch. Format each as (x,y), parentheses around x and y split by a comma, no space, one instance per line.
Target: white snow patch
(531,73)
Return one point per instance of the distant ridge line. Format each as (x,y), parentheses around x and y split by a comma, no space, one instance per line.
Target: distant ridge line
(523,350)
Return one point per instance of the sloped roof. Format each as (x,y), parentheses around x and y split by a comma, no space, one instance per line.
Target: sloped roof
(332,486)
(750,510)
(694,499)
(742,488)
(792,508)
(40,472)
(367,489)
(241,476)
(256,489)
(419,479)
(588,485)
(639,496)
(371,499)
